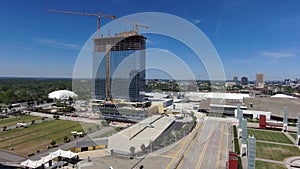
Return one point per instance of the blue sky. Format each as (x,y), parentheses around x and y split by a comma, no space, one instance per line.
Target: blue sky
(250,36)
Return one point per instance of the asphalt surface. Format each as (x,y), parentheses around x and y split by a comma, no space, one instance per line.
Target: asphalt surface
(205,150)
(208,150)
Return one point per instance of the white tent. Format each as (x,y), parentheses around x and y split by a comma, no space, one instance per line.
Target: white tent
(31,164)
(69,154)
(58,152)
(62,94)
(283,96)
(62,153)
(49,157)
(26,163)
(34,164)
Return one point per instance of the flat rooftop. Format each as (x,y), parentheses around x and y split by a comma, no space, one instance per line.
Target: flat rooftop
(267,104)
(139,133)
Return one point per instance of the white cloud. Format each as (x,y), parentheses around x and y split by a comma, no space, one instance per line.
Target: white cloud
(276,55)
(196,21)
(58,44)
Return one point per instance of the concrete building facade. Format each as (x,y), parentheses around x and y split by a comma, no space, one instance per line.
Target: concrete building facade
(260,83)
(119,63)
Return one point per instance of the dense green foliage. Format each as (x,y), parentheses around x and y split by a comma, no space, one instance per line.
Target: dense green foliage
(236,140)
(13,90)
(162,85)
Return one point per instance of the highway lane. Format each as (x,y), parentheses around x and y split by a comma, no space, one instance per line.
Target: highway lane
(212,153)
(204,151)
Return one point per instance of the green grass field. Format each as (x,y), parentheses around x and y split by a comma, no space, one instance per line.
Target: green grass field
(271,136)
(266,165)
(275,151)
(26,141)
(294,135)
(13,121)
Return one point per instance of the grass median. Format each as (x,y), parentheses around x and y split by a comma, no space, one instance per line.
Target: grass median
(266,165)
(271,136)
(275,151)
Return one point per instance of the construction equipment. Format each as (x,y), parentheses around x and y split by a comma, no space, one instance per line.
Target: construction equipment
(99,15)
(136,24)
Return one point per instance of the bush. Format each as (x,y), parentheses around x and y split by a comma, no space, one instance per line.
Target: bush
(117,129)
(143,147)
(240,162)
(56,117)
(235,131)
(236,145)
(104,123)
(66,139)
(132,150)
(90,129)
(53,143)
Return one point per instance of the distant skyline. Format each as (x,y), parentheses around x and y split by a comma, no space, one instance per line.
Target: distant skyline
(250,36)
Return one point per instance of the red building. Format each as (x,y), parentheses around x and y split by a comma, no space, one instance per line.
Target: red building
(233,162)
(262,122)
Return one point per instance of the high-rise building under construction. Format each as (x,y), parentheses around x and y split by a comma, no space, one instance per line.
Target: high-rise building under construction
(119,67)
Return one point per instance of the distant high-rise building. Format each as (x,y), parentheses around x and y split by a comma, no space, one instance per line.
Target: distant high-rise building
(287,82)
(260,83)
(244,81)
(235,79)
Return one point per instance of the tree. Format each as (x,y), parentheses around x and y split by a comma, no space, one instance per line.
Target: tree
(32,122)
(104,123)
(143,147)
(56,117)
(132,150)
(90,129)
(53,143)
(165,140)
(117,129)
(66,139)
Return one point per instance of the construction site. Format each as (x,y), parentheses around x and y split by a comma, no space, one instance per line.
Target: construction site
(119,72)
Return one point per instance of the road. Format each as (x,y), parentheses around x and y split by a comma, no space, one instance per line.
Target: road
(205,150)
(62,117)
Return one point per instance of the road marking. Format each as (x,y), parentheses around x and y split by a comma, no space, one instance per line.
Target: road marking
(181,147)
(196,129)
(219,156)
(161,155)
(204,150)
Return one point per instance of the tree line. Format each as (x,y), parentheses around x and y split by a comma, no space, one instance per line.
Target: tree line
(14,90)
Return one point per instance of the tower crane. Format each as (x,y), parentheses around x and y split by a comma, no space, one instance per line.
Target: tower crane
(100,15)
